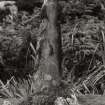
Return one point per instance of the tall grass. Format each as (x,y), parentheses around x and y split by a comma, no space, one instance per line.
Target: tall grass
(13,89)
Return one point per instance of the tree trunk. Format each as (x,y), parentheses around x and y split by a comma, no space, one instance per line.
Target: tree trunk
(47,75)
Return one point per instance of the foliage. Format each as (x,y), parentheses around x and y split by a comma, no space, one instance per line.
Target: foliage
(83,46)
(18,42)
(82,32)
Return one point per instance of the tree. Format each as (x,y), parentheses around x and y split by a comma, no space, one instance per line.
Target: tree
(48,75)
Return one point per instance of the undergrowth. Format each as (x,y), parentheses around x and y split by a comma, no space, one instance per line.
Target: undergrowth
(83,46)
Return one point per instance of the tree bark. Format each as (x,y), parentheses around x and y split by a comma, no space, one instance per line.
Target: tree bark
(47,75)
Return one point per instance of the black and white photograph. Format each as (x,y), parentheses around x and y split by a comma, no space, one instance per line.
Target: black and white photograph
(52,52)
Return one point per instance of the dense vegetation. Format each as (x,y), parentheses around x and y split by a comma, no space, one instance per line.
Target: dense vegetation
(82,25)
